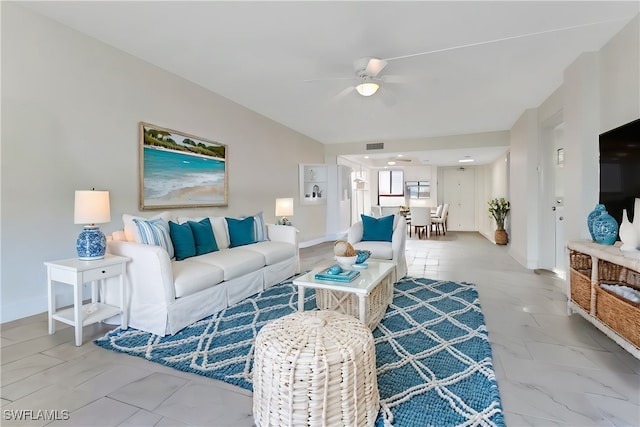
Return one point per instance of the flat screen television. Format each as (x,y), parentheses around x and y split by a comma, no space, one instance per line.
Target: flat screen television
(620,169)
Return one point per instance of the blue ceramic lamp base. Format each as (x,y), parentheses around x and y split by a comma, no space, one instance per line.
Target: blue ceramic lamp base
(91,243)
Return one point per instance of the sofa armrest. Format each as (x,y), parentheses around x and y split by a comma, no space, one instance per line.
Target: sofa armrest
(399,236)
(149,273)
(286,234)
(355,233)
(282,233)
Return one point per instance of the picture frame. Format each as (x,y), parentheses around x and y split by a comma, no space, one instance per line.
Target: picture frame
(179,170)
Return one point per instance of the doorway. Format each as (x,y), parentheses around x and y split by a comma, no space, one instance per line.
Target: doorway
(553,236)
(459,190)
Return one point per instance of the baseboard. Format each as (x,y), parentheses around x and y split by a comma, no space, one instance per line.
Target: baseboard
(312,242)
(24,309)
(39,305)
(328,238)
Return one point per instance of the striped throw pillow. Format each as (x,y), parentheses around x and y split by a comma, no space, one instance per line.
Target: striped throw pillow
(259,228)
(154,232)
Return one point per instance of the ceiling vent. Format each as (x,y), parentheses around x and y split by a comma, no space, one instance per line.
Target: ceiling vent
(375,146)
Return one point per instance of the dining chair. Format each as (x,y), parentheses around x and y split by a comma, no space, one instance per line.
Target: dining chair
(441,220)
(407,217)
(421,221)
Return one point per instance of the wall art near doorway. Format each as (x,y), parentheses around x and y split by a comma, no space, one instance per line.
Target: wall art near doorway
(180,170)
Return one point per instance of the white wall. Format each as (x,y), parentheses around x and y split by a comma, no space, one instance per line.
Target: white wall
(524,189)
(619,64)
(600,91)
(492,181)
(70,112)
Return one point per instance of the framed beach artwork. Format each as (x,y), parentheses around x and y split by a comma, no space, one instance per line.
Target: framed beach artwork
(179,170)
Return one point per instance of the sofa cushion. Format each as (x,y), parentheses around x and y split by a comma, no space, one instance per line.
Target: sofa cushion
(190,276)
(203,236)
(183,242)
(154,232)
(273,252)
(377,229)
(241,231)
(235,262)
(379,250)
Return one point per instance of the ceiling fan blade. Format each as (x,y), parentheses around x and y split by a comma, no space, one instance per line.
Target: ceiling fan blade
(329,79)
(374,66)
(340,95)
(394,79)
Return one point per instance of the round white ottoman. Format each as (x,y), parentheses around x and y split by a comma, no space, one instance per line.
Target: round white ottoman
(315,368)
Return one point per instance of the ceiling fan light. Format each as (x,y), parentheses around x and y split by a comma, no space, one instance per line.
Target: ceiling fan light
(367,88)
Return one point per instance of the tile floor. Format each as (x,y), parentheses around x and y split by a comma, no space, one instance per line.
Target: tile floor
(552,369)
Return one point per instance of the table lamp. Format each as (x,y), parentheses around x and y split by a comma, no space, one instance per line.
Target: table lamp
(91,208)
(284,208)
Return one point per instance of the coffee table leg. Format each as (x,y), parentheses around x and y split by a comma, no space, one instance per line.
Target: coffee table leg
(362,305)
(300,298)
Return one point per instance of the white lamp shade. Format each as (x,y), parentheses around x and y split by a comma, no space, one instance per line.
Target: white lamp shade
(92,207)
(284,207)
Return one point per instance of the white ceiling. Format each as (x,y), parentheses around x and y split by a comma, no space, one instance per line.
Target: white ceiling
(486,62)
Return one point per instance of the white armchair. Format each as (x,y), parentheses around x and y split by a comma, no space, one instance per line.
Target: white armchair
(393,251)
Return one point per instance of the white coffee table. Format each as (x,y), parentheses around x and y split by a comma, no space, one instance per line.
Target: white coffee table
(366,297)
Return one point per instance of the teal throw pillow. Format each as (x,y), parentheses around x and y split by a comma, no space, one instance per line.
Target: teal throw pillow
(205,241)
(184,245)
(377,229)
(241,231)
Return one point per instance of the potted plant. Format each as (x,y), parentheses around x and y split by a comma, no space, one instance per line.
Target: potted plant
(499,208)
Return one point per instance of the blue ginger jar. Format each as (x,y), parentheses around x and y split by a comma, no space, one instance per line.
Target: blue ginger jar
(605,229)
(592,216)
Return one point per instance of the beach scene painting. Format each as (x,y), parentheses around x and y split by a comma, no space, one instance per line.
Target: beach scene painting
(180,170)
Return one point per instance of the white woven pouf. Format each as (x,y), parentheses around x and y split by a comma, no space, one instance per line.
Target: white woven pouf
(315,368)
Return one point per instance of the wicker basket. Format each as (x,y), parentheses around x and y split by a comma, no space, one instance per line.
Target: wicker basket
(580,279)
(315,368)
(501,237)
(609,272)
(620,314)
(349,303)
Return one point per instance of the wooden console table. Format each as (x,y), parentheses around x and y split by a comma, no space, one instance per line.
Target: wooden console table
(591,265)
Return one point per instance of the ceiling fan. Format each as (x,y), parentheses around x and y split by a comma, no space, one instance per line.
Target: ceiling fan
(367,79)
(393,160)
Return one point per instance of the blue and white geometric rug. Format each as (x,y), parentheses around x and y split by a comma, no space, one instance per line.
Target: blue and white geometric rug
(432,352)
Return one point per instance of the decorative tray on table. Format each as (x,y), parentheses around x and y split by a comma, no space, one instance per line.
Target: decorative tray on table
(337,274)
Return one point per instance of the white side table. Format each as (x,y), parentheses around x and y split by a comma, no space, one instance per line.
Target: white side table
(75,272)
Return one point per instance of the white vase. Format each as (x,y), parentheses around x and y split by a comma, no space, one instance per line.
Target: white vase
(629,234)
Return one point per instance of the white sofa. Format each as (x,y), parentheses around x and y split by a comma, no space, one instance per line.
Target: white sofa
(165,295)
(392,251)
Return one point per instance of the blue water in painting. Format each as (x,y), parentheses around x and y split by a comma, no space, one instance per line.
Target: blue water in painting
(168,171)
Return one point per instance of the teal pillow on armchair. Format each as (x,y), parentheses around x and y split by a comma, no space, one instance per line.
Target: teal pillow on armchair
(377,229)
